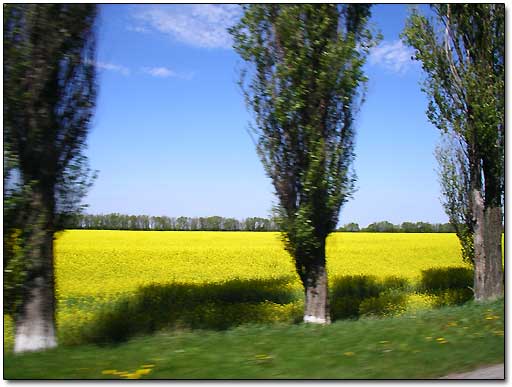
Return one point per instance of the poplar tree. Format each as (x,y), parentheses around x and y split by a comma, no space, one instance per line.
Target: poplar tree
(303,83)
(462,51)
(49,96)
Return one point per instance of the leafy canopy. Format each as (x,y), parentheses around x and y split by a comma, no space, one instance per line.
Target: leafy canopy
(303,82)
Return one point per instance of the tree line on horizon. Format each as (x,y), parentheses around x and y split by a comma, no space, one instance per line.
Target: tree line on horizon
(117,221)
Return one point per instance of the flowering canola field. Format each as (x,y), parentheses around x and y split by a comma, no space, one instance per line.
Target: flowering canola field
(98,267)
(105,263)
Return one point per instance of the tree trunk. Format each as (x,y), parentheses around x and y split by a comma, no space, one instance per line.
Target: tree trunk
(35,320)
(316,307)
(488,281)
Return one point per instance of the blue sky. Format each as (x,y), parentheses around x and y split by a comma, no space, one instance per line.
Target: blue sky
(170,134)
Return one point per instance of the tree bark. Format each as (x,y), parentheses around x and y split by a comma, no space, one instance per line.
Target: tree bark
(35,320)
(316,307)
(488,280)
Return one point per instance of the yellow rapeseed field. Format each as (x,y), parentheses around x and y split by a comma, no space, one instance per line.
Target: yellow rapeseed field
(94,267)
(103,263)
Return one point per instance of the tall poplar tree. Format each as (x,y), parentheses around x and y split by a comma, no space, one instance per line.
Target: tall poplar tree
(49,96)
(462,51)
(303,82)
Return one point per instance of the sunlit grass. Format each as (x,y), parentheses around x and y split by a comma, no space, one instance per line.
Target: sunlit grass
(424,344)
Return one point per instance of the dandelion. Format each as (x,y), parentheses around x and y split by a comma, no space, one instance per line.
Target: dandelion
(143,371)
(132,376)
(147,365)
(441,340)
(349,353)
(108,372)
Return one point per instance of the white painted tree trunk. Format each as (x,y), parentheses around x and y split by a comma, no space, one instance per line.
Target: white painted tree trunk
(488,282)
(35,325)
(316,310)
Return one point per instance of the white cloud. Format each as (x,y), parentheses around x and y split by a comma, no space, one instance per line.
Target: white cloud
(161,72)
(164,72)
(199,25)
(112,67)
(393,56)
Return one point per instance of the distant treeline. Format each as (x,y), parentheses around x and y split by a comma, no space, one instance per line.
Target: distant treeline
(218,223)
(165,223)
(385,226)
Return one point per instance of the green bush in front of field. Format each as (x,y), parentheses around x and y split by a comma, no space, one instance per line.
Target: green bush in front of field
(448,286)
(214,306)
(353,296)
(222,305)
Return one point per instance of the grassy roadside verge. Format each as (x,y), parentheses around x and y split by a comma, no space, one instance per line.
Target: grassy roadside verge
(427,344)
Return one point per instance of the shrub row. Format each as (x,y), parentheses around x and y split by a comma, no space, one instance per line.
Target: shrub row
(223,305)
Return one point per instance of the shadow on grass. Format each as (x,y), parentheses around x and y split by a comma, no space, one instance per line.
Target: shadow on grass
(219,306)
(448,286)
(355,296)
(214,306)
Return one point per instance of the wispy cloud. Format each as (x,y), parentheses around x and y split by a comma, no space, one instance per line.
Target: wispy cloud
(393,56)
(112,67)
(164,72)
(199,25)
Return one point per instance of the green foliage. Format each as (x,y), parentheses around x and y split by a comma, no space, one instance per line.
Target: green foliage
(383,226)
(353,296)
(449,286)
(115,221)
(350,227)
(454,176)
(387,303)
(462,51)
(434,280)
(15,270)
(303,83)
(185,306)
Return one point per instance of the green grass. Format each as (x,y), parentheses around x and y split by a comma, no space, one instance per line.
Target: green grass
(426,344)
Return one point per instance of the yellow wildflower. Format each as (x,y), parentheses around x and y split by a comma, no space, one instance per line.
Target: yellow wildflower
(263,356)
(349,353)
(132,376)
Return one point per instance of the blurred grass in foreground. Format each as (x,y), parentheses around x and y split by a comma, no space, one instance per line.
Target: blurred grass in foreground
(424,344)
